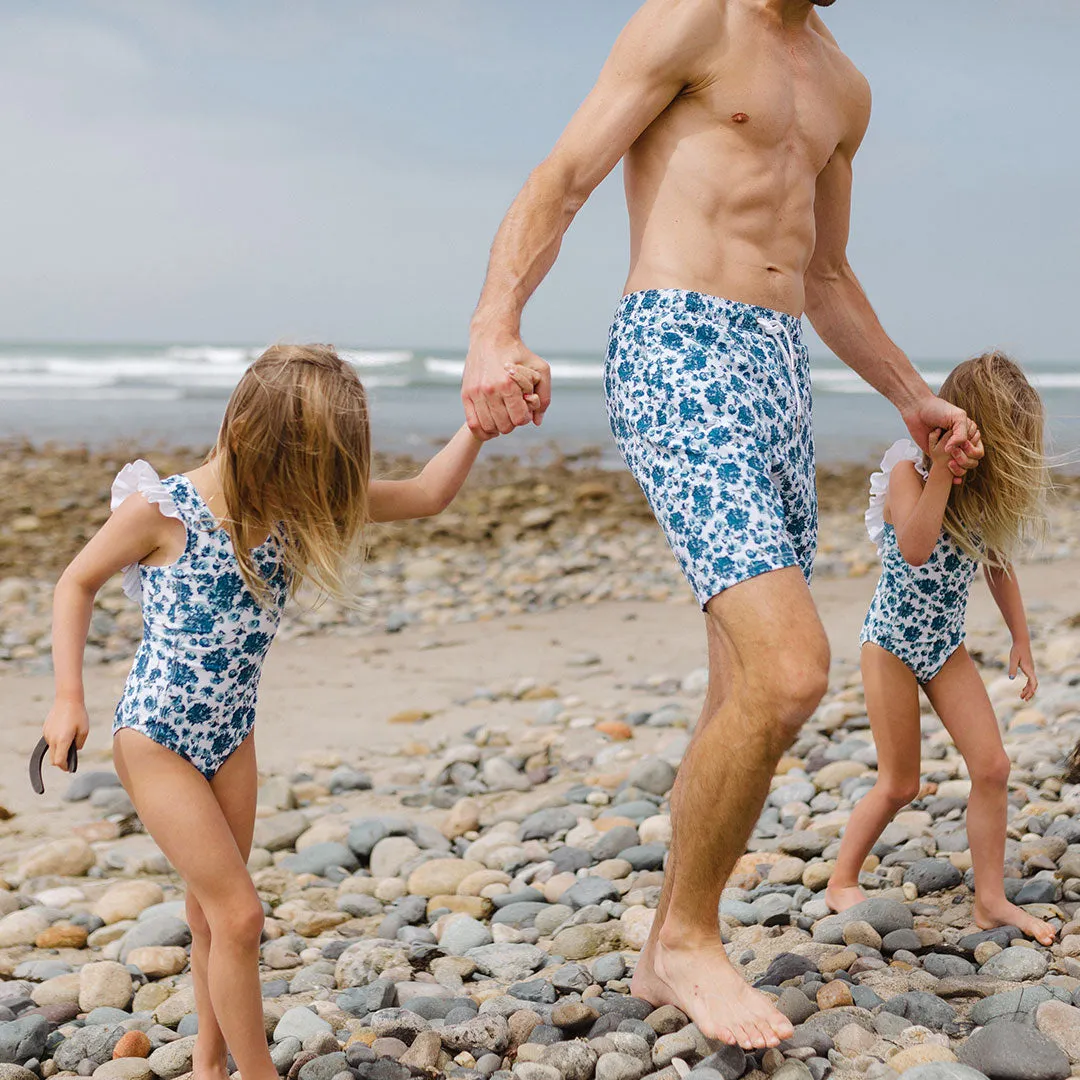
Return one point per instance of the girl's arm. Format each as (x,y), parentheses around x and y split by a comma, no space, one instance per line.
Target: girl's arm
(433,490)
(134,532)
(1005,589)
(917,509)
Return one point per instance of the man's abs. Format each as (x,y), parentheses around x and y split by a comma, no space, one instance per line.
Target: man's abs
(723,235)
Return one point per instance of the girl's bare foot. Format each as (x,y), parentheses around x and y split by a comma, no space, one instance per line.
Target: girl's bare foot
(841,897)
(1005,914)
(702,983)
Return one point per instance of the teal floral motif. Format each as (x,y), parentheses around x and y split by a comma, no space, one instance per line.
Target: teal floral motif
(918,612)
(709,402)
(194,682)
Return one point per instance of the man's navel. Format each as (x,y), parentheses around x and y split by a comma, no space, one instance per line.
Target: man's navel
(739,117)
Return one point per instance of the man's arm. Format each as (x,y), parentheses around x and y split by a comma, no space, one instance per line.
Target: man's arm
(654,59)
(842,315)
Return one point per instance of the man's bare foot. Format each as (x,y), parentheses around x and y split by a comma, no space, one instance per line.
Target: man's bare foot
(703,984)
(841,897)
(1006,914)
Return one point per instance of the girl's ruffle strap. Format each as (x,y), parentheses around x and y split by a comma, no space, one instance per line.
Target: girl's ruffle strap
(139,478)
(901,450)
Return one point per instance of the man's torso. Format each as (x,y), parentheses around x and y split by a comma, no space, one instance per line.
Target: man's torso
(720,187)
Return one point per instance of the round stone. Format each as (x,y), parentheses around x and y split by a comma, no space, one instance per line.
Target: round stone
(173,1059)
(104,983)
(133,1044)
(932,875)
(128,900)
(62,935)
(159,961)
(1017,964)
(70,857)
(1015,1051)
(441,876)
(128,1068)
(861,933)
(834,995)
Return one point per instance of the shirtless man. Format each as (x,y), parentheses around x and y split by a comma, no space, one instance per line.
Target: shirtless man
(738,121)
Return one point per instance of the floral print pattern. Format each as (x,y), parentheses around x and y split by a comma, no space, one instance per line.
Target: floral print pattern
(195,679)
(709,402)
(918,612)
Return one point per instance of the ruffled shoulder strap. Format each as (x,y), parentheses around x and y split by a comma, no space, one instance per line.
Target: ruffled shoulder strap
(901,450)
(139,478)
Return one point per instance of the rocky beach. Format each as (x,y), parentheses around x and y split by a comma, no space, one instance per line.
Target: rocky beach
(463,816)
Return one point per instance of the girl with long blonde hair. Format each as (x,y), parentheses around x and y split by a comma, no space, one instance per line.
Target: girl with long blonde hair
(213,555)
(933,533)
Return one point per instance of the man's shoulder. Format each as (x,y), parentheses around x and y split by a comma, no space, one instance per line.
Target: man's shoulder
(674,34)
(853,83)
(689,19)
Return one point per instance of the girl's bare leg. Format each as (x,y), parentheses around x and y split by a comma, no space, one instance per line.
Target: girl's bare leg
(892,703)
(960,699)
(182,813)
(235,788)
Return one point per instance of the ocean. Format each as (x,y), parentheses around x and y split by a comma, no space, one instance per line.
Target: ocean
(174,394)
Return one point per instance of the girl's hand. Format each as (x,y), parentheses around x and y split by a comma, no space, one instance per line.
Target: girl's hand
(1020,658)
(940,455)
(66,723)
(527,381)
(933,416)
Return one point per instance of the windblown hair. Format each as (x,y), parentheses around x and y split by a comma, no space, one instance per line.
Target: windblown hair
(1001,505)
(294,457)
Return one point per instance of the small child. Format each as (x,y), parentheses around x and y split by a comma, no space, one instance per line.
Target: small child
(932,536)
(213,555)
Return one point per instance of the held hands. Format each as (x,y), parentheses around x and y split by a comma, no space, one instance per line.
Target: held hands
(963,449)
(937,445)
(526,380)
(66,723)
(504,387)
(1020,659)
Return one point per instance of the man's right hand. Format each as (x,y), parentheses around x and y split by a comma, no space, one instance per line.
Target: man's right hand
(961,437)
(494,400)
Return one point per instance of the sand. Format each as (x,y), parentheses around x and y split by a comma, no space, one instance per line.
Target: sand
(336,694)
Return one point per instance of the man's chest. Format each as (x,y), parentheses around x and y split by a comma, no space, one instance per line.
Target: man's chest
(775,102)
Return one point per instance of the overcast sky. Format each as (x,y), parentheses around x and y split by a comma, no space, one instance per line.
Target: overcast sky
(252,170)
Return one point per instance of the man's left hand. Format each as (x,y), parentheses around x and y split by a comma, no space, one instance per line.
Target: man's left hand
(961,435)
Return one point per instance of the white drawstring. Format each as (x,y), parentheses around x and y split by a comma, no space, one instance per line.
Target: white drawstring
(776,328)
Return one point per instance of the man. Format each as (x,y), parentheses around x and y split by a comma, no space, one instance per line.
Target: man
(738,121)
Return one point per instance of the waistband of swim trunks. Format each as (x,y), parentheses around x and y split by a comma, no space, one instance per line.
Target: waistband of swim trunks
(695,304)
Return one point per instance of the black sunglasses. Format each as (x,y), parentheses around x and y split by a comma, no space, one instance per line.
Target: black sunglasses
(37,758)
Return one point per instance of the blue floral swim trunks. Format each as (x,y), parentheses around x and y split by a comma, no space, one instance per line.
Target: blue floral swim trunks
(709,401)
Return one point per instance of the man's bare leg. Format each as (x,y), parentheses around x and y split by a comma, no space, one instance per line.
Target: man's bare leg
(768,643)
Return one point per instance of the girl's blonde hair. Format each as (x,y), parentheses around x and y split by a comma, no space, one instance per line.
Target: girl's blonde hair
(1001,504)
(294,457)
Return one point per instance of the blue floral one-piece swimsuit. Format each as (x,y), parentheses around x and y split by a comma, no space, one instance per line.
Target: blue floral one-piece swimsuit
(918,612)
(195,679)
